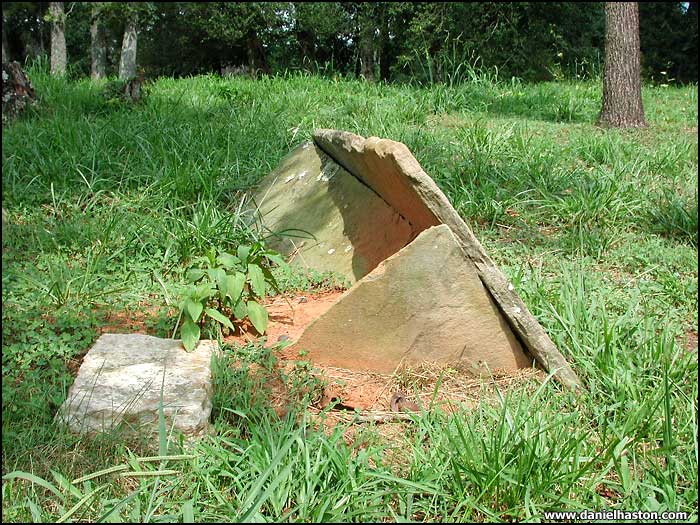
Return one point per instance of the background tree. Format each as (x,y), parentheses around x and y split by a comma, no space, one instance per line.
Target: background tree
(135,16)
(369,31)
(174,44)
(372,33)
(98,42)
(320,31)
(246,31)
(5,45)
(689,35)
(669,40)
(59,57)
(25,29)
(308,16)
(254,19)
(532,41)
(127,61)
(622,85)
(398,41)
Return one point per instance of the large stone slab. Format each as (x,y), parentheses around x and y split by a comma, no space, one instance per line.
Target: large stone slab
(425,303)
(327,218)
(120,380)
(391,171)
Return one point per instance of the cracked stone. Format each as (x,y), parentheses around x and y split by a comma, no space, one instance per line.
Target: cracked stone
(425,303)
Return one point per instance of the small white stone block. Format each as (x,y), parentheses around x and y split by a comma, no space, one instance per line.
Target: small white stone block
(121,379)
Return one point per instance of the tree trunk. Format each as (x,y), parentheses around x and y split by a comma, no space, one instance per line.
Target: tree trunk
(31,44)
(257,61)
(306,43)
(384,55)
(622,85)
(58,38)
(5,46)
(17,91)
(127,62)
(368,43)
(98,43)
(39,44)
(383,43)
(367,54)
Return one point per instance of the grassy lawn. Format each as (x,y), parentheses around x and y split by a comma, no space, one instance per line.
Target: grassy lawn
(597,229)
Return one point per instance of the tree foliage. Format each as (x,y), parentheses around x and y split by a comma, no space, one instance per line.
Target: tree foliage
(669,40)
(379,40)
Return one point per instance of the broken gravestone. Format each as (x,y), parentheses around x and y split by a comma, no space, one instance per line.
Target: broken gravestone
(325,218)
(122,377)
(422,304)
(375,174)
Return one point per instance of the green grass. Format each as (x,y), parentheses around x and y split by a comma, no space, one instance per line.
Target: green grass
(598,230)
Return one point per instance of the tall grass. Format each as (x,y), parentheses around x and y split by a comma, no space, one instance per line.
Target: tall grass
(596,228)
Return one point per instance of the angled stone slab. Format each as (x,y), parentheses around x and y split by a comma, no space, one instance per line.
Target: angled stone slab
(119,384)
(425,303)
(391,171)
(327,219)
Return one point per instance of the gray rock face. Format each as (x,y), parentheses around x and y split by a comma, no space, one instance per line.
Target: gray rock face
(423,304)
(332,220)
(120,383)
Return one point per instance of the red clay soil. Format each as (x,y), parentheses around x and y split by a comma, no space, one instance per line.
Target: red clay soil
(346,390)
(289,316)
(369,392)
(124,322)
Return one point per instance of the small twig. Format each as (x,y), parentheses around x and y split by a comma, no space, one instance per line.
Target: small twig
(640,275)
(383,417)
